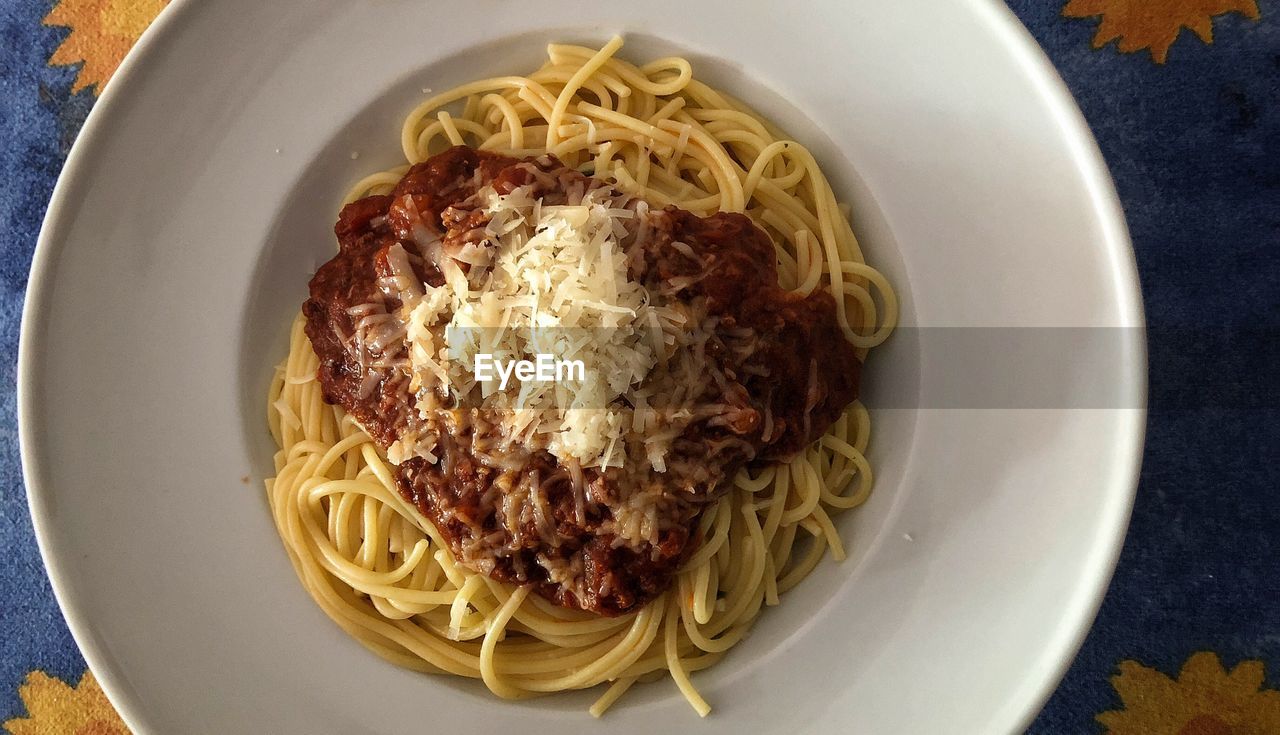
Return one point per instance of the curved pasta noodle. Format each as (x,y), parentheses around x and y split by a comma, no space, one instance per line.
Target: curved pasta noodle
(382,572)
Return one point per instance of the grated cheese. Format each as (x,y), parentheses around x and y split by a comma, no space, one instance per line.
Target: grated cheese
(555,283)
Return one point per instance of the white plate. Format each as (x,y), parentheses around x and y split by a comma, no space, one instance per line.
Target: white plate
(200,196)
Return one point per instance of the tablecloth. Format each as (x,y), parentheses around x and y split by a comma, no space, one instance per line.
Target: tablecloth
(1184,98)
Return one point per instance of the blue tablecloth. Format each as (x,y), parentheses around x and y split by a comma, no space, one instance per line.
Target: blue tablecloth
(1184,98)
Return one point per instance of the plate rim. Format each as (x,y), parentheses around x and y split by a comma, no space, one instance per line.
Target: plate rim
(1063,644)
(1124,266)
(50,239)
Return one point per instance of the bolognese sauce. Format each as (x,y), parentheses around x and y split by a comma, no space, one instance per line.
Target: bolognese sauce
(766,371)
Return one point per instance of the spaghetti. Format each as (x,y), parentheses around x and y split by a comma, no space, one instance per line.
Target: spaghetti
(384,573)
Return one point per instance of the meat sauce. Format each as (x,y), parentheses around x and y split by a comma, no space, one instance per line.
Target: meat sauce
(785,391)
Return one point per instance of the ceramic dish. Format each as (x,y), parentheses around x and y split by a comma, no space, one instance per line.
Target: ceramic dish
(199,198)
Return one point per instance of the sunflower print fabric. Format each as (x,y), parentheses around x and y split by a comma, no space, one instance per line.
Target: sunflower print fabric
(101,33)
(1204,699)
(1154,26)
(55,708)
(1184,98)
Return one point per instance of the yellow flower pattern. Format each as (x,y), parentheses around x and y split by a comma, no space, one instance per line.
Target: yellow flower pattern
(56,708)
(1205,699)
(102,32)
(1155,24)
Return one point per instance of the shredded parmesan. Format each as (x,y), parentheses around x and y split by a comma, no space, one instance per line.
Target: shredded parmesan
(555,284)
